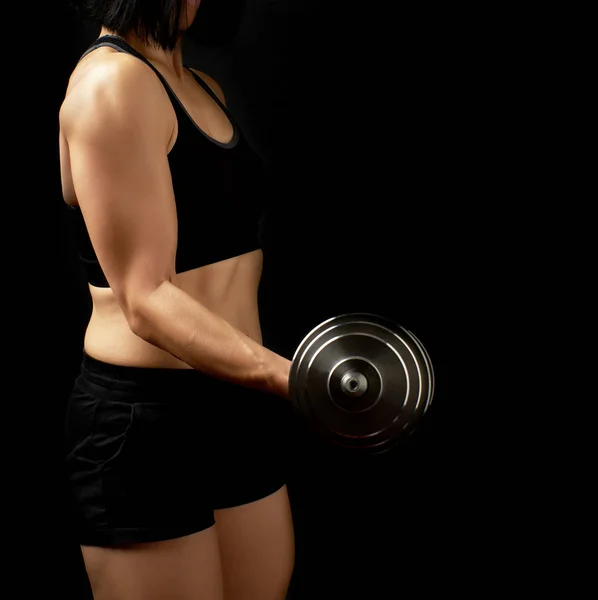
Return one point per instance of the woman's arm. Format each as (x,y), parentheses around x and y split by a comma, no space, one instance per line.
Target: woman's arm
(172,320)
(117,122)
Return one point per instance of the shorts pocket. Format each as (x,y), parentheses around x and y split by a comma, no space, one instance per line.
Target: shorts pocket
(96,427)
(111,428)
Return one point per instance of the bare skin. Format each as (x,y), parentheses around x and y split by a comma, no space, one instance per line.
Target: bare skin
(117,126)
(247,555)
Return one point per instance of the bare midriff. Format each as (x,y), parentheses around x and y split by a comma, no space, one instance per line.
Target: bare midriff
(228,288)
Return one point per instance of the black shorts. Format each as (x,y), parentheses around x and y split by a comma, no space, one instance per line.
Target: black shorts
(150,453)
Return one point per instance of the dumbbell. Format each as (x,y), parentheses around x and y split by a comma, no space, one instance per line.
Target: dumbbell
(361,381)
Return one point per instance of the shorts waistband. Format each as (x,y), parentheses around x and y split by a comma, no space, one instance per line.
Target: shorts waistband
(122,377)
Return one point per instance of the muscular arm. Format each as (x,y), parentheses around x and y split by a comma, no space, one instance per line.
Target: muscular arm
(117,141)
(172,320)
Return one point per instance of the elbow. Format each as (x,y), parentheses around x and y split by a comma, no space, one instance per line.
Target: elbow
(138,323)
(138,312)
(136,316)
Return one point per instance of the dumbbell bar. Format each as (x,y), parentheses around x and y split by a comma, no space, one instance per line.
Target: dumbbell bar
(361,381)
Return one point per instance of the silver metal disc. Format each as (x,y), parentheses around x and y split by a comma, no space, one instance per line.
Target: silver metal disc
(361,381)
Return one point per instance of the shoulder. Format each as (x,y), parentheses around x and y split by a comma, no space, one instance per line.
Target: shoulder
(213,85)
(111,88)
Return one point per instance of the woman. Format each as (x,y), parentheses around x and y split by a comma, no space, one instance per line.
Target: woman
(175,426)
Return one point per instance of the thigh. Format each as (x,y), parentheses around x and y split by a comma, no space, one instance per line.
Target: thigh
(257,548)
(186,568)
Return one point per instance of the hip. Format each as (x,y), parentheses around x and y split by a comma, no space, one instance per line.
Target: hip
(153,413)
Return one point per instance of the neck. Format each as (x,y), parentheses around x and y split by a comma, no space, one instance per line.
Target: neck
(172,60)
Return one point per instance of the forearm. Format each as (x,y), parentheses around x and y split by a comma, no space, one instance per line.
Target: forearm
(174,321)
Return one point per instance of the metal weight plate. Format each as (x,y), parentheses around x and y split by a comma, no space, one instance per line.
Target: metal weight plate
(426,358)
(361,381)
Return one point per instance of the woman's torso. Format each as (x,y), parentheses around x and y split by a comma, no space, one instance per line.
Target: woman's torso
(228,287)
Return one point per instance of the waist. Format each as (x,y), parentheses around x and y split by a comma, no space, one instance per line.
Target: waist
(162,386)
(113,342)
(108,336)
(124,377)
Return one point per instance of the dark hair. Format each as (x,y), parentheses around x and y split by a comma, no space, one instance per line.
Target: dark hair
(155,22)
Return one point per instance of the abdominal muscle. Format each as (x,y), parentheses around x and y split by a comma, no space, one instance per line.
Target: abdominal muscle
(227,288)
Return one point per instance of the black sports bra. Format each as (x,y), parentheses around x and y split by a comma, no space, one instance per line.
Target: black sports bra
(217,187)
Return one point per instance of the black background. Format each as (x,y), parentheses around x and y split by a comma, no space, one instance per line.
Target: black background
(370,133)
